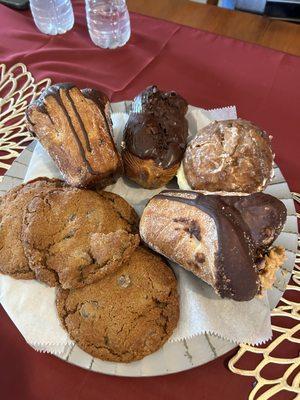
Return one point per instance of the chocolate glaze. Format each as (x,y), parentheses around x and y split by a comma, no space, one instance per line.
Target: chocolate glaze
(236,276)
(102,101)
(264,214)
(51,91)
(81,124)
(54,91)
(156,128)
(152,99)
(97,97)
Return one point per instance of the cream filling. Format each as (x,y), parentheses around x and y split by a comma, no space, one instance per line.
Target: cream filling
(269,266)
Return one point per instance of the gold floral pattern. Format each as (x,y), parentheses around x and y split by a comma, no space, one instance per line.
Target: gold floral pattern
(17,89)
(266,388)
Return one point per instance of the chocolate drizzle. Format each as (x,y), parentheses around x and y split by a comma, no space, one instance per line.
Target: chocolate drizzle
(236,276)
(101,100)
(89,142)
(54,91)
(264,214)
(82,127)
(157,128)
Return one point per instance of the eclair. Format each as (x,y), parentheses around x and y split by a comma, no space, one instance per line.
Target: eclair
(155,137)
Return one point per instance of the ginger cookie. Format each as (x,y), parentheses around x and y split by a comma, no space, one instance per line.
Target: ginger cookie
(13,261)
(127,315)
(75,237)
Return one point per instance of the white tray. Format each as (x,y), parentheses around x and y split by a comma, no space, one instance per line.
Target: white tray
(185,354)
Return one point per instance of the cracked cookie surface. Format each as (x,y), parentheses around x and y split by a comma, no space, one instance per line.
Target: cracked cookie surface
(13,261)
(128,314)
(75,237)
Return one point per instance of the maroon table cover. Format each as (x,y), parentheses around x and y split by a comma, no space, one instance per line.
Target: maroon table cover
(209,71)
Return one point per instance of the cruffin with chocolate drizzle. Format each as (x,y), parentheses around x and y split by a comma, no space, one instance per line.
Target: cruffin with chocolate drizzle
(75,127)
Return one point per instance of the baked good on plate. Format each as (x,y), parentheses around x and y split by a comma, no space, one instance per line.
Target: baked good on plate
(155,137)
(75,128)
(227,156)
(128,314)
(74,237)
(223,240)
(13,261)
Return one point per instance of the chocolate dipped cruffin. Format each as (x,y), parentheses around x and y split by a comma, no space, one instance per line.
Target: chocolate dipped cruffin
(223,240)
(228,156)
(155,137)
(75,128)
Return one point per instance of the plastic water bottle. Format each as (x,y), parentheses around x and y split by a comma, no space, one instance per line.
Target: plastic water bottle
(108,22)
(52,16)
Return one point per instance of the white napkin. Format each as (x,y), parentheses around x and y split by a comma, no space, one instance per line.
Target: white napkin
(31,305)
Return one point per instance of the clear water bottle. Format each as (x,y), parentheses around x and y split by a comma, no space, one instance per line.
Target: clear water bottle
(108,22)
(52,16)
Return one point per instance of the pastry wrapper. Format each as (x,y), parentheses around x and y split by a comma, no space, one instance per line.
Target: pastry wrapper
(31,305)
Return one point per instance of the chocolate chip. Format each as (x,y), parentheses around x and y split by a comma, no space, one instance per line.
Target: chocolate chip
(160,304)
(70,234)
(72,217)
(124,281)
(84,313)
(200,258)
(194,230)
(90,212)
(183,220)
(191,227)
(88,308)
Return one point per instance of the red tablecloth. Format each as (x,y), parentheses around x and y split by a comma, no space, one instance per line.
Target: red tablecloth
(209,71)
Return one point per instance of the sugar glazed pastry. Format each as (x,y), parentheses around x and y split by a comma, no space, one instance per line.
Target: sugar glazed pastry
(224,240)
(74,237)
(155,137)
(128,314)
(228,156)
(75,128)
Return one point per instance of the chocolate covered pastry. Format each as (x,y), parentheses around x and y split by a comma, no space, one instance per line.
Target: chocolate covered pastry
(228,156)
(155,137)
(75,128)
(222,240)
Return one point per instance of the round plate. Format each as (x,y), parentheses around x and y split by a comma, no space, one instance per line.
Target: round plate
(185,354)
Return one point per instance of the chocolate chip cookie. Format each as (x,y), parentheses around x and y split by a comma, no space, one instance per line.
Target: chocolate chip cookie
(128,314)
(13,261)
(75,237)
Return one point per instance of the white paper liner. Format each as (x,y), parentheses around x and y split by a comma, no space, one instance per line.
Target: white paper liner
(31,305)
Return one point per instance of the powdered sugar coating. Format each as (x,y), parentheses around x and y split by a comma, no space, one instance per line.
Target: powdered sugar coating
(231,156)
